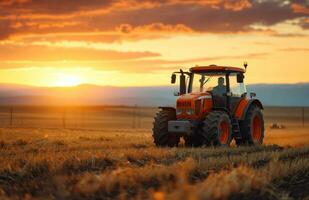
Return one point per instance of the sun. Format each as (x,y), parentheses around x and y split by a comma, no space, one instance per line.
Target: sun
(64,80)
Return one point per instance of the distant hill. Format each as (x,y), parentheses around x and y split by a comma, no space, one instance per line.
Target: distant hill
(282,94)
(270,94)
(87,95)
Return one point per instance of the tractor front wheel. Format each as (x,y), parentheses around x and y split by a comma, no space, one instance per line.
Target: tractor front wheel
(161,136)
(217,129)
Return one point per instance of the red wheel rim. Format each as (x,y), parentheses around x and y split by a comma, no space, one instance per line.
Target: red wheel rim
(257,129)
(224,128)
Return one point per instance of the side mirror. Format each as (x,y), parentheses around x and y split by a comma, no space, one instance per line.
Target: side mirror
(173,79)
(240,78)
(252,94)
(182,86)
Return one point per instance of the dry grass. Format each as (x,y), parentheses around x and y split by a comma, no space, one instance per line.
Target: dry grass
(288,137)
(70,164)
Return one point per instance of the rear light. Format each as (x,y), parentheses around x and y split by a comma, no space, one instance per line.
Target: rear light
(198,106)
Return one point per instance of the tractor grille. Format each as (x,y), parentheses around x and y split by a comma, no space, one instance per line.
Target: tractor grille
(198,106)
(184,104)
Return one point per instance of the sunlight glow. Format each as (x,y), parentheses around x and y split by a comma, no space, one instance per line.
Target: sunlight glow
(67,80)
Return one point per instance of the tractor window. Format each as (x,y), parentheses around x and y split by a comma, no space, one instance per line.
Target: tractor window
(237,89)
(209,83)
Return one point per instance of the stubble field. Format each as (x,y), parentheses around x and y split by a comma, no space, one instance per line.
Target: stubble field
(41,163)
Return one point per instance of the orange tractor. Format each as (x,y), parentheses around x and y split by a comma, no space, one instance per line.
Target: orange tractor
(212,109)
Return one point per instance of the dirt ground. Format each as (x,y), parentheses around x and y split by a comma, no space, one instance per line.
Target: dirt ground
(124,164)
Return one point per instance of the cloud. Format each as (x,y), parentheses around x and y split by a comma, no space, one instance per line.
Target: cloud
(289,35)
(141,16)
(297,8)
(53,6)
(291,49)
(35,53)
(125,65)
(5,30)
(237,5)
(102,37)
(154,27)
(13,2)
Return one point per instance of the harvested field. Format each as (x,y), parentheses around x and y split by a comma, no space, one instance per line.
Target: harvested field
(124,164)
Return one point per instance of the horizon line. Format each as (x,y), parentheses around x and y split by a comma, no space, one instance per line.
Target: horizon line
(130,86)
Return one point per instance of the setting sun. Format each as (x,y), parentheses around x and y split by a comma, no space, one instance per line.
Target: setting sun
(67,80)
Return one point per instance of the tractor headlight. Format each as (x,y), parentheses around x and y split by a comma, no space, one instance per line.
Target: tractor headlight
(178,111)
(189,111)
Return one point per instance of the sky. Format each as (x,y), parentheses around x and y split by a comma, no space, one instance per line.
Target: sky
(140,42)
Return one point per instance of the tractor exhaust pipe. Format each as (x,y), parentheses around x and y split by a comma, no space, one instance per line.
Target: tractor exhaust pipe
(183,85)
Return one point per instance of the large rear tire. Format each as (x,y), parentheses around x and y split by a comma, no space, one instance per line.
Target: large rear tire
(217,129)
(252,127)
(161,136)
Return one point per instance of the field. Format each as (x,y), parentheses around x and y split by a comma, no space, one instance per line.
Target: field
(121,162)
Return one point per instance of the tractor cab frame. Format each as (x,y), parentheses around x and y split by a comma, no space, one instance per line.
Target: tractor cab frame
(213,71)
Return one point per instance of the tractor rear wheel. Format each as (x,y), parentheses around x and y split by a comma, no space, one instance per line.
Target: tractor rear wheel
(252,128)
(161,136)
(217,129)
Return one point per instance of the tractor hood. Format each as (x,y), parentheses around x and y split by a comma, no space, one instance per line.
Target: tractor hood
(191,97)
(190,106)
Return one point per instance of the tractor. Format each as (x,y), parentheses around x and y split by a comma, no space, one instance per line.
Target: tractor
(212,109)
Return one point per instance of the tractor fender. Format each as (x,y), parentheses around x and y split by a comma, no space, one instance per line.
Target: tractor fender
(221,109)
(244,106)
(168,108)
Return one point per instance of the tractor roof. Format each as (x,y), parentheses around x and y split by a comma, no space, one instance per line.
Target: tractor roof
(215,68)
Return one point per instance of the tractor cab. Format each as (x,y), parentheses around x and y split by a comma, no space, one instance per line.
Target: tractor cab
(212,109)
(206,88)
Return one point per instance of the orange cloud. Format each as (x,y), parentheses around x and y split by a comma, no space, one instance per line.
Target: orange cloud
(297,8)
(141,16)
(155,27)
(126,62)
(237,5)
(12,2)
(35,53)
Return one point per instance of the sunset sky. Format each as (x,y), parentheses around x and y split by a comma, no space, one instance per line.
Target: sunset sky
(140,42)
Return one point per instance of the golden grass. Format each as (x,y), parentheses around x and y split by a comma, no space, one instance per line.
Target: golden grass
(296,136)
(71,164)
